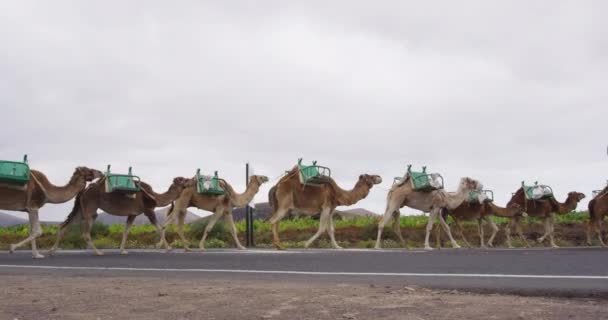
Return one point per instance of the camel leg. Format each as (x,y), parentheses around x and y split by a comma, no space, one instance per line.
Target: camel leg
(87,223)
(125,233)
(35,232)
(232,227)
(481,235)
(151,215)
(548,230)
(437,229)
(521,234)
(274,222)
(446,228)
(429,228)
(390,210)
(552,230)
(163,239)
(508,232)
(323,224)
(332,232)
(598,230)
(494,231)
(63,228)
(181,219)
(590,225)
(461,233)
(218,213)
(397,227)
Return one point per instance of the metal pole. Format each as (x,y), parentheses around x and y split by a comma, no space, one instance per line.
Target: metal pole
(248,215)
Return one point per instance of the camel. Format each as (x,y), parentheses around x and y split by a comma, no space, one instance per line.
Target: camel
(119,204)
(480,212)
(38,192)
(290,194)
(598,210)
(220,205)
(402,194)
(543,209)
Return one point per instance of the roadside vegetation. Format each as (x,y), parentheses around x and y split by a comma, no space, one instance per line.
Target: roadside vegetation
(354,233)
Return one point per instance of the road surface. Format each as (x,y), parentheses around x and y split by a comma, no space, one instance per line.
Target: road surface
(537,271)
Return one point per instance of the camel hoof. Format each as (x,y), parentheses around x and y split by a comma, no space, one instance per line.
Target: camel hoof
(491,245)
(377,247)
(98,253)
(279,246)
(11,248)
(241,248)
(456,246)
(511,247)
(37,256)
(124,252)
(554,246)
(159,245)
(338,247)
(540,240)
(484,247)
(188,249)
(428,248)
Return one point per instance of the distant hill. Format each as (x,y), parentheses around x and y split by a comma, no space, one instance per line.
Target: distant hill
(161,214)
(7,220)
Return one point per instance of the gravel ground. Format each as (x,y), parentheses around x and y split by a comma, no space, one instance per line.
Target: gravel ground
(79,297)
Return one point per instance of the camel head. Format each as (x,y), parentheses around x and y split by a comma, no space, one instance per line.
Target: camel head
(259,179)
(516,210)
(181,183)
(370,179)
(576,196)
(88,174)
(469,184)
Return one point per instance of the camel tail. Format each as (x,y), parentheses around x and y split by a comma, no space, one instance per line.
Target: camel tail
(272,198)
(75,210)
(591,210)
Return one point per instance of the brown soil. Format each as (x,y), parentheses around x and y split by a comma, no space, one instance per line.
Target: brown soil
(93,297)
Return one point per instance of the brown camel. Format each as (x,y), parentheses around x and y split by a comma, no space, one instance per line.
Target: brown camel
(402,194)
(598,210)
(480,212)
(542,209)
(290,194)
(218,204)
(130,205)
(39,191)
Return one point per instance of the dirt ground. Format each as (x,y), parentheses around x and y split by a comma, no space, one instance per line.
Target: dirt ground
(100,298)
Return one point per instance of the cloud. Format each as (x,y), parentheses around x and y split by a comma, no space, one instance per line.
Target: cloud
(502,92)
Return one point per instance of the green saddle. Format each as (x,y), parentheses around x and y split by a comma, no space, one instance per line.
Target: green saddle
(482,196)
(313,175)
(15,172)
(422,181)
(537,191)
(122,183)
(208,184)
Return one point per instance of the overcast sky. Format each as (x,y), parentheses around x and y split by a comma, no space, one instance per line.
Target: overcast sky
(499,91)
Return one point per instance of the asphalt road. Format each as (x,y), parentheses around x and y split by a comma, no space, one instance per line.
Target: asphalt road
(539,271)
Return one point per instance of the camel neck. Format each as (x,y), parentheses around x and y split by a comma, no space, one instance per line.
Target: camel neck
(350,197)
(61,194)
(568,206)
(165,199)
(500,211)
(240,200)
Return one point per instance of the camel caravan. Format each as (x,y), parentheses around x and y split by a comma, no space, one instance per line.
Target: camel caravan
(306,188)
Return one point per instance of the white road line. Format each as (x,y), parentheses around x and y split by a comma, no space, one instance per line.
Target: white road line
(314,273)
